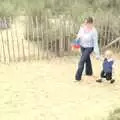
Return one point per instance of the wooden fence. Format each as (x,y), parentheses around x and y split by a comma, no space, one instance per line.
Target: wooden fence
(109,32)
(33,38)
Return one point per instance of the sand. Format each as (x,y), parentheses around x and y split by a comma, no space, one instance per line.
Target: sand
(46,90)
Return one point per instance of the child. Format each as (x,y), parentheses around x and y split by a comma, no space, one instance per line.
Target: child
(107,68)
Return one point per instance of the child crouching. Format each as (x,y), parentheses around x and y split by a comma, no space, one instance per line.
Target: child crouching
(107,71)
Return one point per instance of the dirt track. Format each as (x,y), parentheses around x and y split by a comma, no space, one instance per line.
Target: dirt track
(46,91)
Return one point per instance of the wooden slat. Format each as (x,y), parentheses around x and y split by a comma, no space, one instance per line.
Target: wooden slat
(61,38)
(69,32)
(66,33)
(33,37)
(3,45)
(100,36)
(111,43)
(42,34)
(105,35)
(23,49)
(107,30)
(42,41)
(55,37)
(13,47)
(47,37)
(17,39)
(38,41)
(27,35)
(8,46)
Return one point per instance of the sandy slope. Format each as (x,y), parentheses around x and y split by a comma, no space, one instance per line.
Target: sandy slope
(46,90)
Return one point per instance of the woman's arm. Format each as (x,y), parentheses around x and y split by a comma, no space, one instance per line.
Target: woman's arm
(96,46)
(80,32)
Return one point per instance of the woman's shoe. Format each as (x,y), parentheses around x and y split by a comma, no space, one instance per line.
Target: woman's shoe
(77,78)
(99,80)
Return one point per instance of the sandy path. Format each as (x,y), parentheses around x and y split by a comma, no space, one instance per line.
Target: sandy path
(46,91)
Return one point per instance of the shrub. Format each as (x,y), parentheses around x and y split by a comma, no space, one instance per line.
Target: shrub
(115,115)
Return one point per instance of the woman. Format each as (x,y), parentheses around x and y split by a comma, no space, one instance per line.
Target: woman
(88,41)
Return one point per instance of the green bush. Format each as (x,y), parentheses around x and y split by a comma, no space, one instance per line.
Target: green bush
(115,115)
(71,7)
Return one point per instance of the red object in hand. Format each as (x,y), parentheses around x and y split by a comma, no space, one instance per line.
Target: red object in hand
(75,46)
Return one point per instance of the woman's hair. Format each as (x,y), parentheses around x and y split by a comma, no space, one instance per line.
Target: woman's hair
(89,20)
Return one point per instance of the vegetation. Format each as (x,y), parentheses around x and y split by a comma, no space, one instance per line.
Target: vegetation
(70,7)
(115,115)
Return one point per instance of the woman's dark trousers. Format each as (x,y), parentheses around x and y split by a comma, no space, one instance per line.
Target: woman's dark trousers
(85,58)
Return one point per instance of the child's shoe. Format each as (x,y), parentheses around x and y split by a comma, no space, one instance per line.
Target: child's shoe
(112,81)
(99,80)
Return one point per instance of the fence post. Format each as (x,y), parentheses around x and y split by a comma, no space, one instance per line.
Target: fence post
(14,58)
(27,36)
(56,48)
(4,55)
(61,38)
(18,47)
(42,43)
(47,36)
(8,45)
(38,41)
(33,36)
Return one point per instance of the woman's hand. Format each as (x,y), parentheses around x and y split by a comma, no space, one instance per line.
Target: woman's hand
(97,57)
(75,49)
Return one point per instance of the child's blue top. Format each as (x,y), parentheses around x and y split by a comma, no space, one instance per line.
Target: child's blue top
(107,65)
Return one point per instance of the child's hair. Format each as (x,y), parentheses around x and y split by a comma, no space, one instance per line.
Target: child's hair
(109,52)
